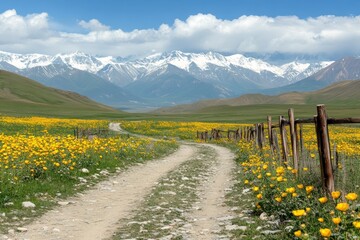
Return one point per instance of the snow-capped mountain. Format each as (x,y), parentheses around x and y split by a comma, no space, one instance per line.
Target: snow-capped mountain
(147,65)
(204,61)
(211,74)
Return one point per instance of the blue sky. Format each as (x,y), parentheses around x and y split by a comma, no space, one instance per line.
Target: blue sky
(139,14)
(141,27)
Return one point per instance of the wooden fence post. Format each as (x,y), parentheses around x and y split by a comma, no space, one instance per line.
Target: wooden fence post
(301,140)
(283,139)
(256,134)
(324,149)
(270,133)
(247,134)
(259,135)
(293,137)
(275,141)
(262,134)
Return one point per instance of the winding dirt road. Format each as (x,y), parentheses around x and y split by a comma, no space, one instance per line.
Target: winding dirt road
(94,214)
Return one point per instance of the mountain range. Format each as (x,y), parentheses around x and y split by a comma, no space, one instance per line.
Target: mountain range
(166,79)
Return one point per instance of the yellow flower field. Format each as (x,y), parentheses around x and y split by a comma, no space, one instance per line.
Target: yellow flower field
(42,156)
(345,137)
(43,149)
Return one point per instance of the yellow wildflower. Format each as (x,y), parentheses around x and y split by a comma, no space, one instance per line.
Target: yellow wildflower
(336,220)
(325,232)
(298,233)
(351,196)
(342,206)
(356,224)
(309,189)
(290,190)
(323,200)
(299,213)
(335,194)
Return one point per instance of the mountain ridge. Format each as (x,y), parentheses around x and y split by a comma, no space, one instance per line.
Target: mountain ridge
(228,75)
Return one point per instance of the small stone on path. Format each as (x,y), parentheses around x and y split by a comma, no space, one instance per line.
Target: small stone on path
(270,232)
(63,203)
(235,227)
(21,229)
(28,205)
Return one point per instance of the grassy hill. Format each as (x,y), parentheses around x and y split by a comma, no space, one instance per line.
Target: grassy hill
(22,96)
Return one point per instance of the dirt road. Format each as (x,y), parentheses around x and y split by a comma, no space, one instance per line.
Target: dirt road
(94,214)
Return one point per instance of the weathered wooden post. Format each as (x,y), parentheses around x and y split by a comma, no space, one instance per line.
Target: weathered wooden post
(260,135)
(256,134)
(237,134)
(270,133)
(252,133)
(246,132)
(275,140)
(301,140)
(324,149)
(293,137)
(283,139)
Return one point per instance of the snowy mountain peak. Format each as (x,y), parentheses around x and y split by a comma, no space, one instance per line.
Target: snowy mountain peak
(23,61)
(193,63)
(82,61)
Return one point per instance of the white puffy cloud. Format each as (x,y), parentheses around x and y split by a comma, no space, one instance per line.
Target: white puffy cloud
(17,29)
(93,25)
(330,35)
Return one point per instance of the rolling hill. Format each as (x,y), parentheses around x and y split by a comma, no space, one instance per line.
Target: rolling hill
(343,92)
(22,96)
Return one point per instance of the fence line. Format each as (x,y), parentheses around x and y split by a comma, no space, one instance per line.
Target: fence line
(90,133)
(321,121)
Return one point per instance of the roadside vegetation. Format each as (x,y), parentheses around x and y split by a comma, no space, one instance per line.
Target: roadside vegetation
(288,203)
(42,162)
